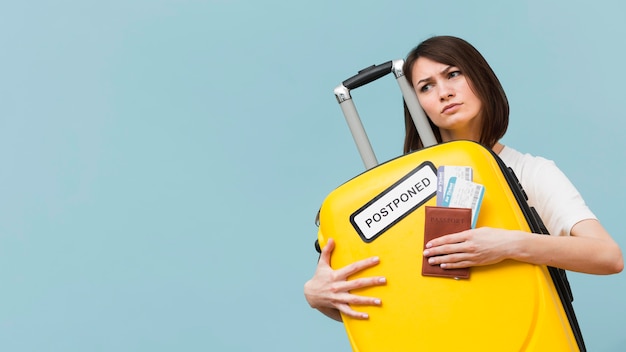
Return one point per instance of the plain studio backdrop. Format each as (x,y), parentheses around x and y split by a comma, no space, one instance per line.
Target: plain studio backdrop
(162,161)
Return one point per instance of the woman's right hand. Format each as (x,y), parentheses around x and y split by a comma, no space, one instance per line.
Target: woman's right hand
(329,290)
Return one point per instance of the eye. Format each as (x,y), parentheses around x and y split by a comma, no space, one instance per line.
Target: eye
(425,87)
(454,74)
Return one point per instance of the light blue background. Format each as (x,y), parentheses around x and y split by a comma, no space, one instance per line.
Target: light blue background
(162,161)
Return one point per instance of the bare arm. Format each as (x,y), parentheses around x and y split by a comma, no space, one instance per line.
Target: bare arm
(589,249)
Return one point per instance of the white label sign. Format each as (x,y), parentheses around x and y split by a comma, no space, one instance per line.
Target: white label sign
(396,202)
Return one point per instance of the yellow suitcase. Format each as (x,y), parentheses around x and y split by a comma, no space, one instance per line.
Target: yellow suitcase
(509,306)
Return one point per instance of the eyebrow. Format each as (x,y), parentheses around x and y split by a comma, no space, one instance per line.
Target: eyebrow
(443,72)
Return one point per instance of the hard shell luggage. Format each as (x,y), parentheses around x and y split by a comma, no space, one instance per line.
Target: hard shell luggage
(509,306)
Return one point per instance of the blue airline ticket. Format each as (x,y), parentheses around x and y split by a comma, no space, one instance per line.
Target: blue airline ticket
(445,172)
(461,193)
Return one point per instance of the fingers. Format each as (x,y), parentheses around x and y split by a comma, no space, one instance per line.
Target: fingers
(346,286)
(331,288)
(452,263)
(344,300)
(358,266)
(348,270)
(445,249)
(457,265)
(347,310)
(482,246)
(353,300)
(460,242)
(327,251)
(448,239)
(337,296)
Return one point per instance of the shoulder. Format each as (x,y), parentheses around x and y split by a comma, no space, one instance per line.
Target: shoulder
(524,164)
(555,198)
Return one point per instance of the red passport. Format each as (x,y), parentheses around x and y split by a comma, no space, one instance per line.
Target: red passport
(440,221)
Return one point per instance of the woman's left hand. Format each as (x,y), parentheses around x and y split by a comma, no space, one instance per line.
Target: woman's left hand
(481,246)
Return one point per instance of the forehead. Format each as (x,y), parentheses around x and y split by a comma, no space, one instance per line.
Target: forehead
(426,68)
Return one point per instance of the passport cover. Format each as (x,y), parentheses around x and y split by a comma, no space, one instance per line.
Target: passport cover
(440,221)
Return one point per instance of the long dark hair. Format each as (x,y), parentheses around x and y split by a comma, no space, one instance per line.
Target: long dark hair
(457,52)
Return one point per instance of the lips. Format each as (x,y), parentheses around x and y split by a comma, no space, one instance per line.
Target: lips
(450,108)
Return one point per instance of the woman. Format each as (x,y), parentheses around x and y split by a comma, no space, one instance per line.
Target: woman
(463,99)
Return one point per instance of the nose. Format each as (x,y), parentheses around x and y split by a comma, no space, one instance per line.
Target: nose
(445,91)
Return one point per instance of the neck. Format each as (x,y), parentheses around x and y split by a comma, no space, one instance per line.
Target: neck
(448,136)
(497,148)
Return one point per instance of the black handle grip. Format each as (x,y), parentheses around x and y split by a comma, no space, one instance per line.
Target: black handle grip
(367,75)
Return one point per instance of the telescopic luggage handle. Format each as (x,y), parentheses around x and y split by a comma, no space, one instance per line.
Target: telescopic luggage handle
(368,75)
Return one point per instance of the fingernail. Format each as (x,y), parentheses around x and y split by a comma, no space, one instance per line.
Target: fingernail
(443,266)
(382,280)
(364,316)
(431,261)
(428,245)
(375,259)
(426,253)
(377,302)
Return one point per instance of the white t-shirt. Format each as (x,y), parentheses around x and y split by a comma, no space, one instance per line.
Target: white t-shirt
(549,191)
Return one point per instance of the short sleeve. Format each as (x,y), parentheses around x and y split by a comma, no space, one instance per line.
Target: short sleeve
(550,192)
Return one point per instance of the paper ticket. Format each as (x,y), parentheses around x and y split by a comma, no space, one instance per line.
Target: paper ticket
(445,172)
(461,193)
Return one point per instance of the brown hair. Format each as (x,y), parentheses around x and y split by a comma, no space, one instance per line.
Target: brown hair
(457,52)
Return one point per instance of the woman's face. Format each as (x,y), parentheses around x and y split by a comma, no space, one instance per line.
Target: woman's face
(447,98)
